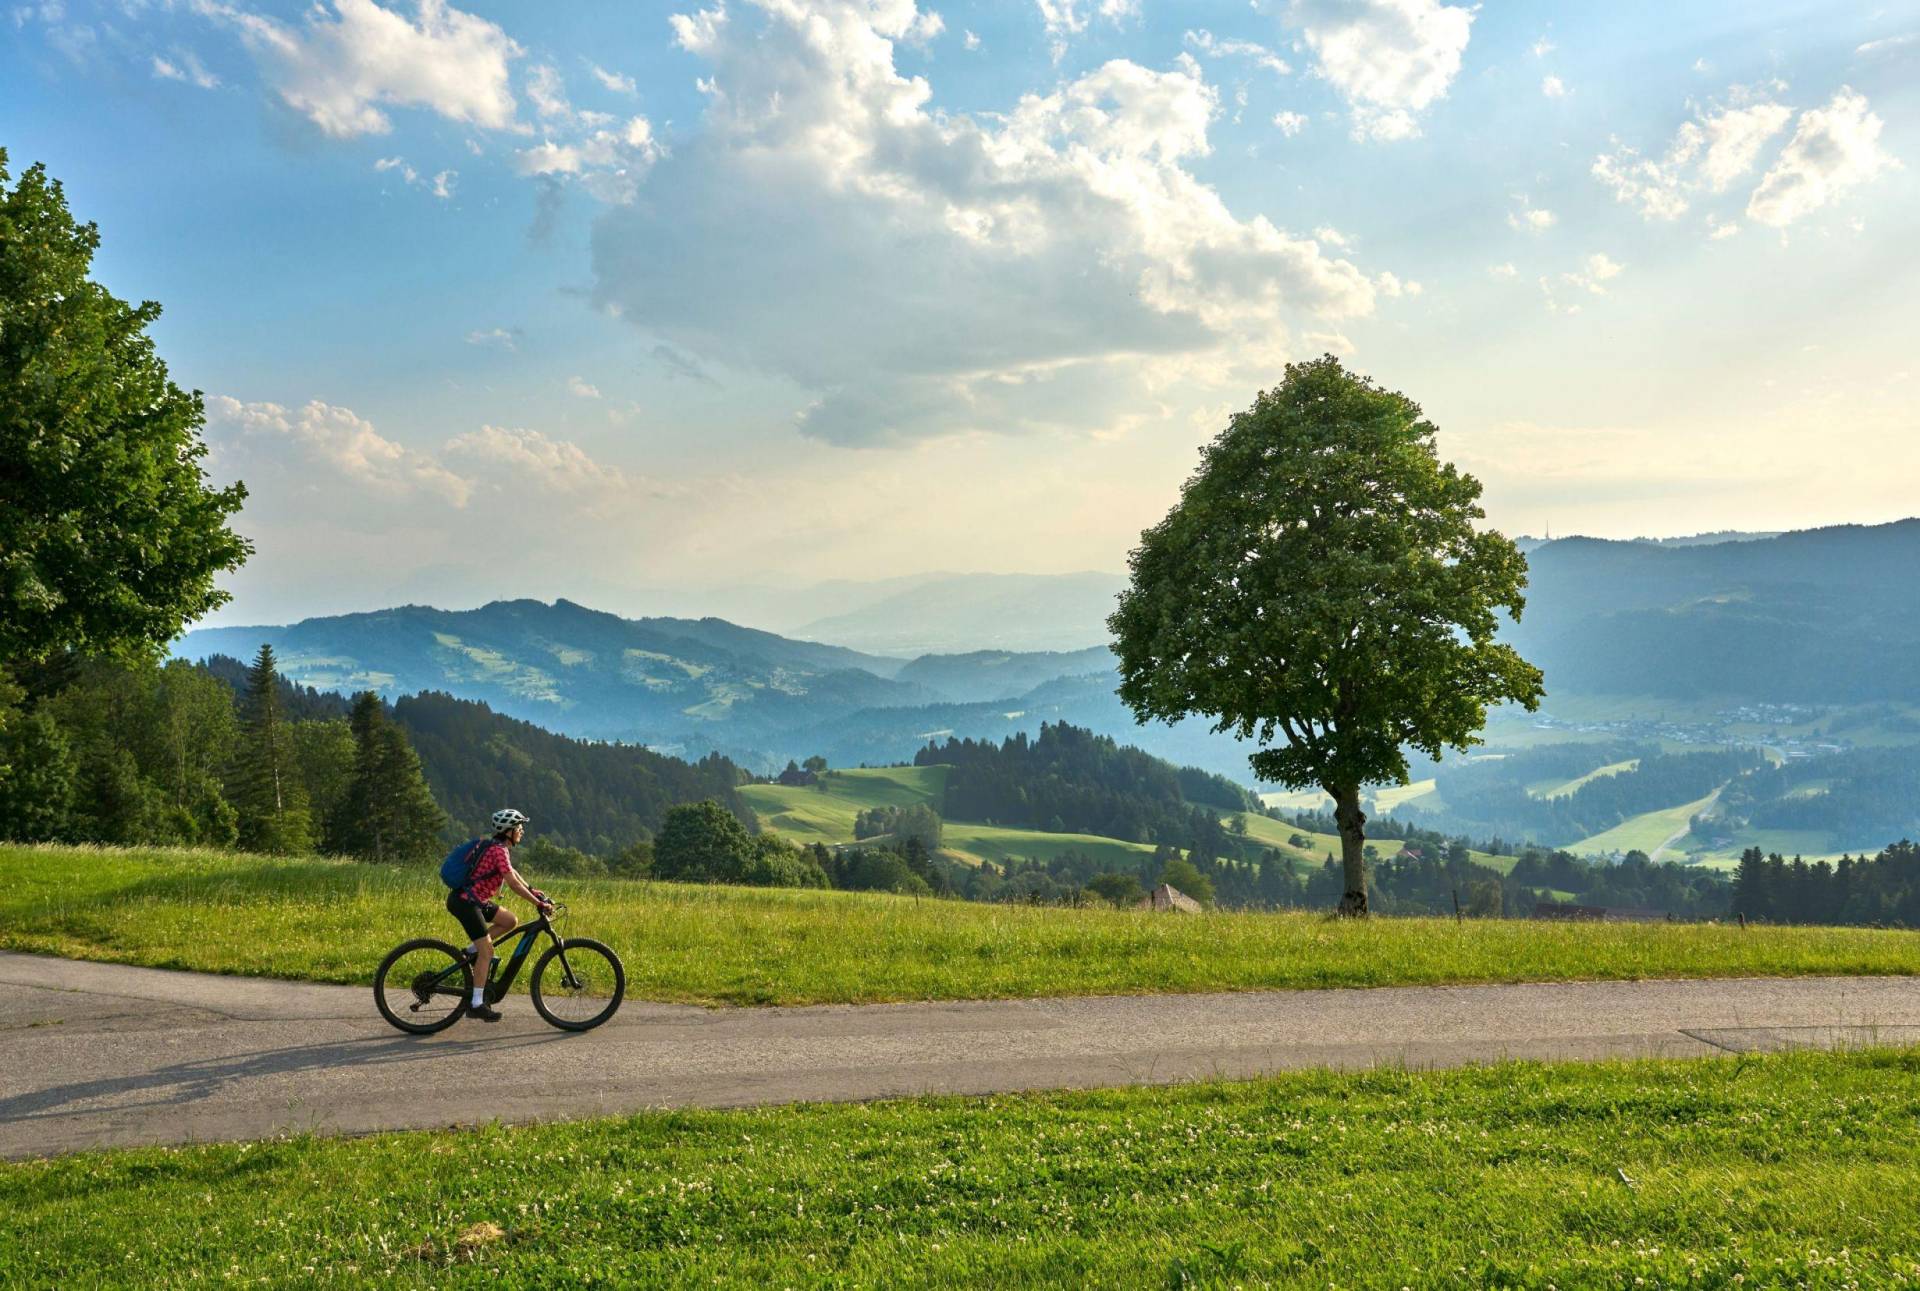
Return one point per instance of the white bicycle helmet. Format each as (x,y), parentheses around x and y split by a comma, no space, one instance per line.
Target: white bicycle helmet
(506,818)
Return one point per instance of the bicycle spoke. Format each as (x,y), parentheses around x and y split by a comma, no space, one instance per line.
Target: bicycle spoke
(423,988)
(579,986)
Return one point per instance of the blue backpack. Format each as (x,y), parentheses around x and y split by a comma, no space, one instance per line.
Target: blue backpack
(457,870)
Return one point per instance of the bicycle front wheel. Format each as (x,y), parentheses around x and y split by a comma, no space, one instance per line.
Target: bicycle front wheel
(423,986)
(578,983)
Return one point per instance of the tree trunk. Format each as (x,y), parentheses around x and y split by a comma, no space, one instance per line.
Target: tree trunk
(1353,840)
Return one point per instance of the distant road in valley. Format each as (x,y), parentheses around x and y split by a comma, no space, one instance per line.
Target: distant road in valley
(104,1055)
(1700,808)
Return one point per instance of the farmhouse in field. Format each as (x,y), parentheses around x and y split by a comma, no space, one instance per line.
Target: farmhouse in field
(1168,897)
(794,775)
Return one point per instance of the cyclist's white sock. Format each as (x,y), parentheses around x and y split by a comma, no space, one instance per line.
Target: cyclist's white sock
(479,996)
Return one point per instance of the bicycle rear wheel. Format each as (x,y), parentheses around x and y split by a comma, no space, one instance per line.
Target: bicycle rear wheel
(578,983)
(423,986)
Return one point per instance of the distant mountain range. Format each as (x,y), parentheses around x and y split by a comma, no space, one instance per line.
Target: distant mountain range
(1011,612)
(1817,616)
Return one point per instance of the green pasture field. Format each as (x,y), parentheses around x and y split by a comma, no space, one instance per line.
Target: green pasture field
(1809,845)
(332,921)
(824,813)
(972,844)
(1560,789)
(1267,832)
(1297,800)
(1789,1170)
(1644,832)
(1387,797)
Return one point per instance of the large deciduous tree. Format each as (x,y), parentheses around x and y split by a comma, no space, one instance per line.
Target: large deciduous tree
(701,842)
(1321,587)
(110,536)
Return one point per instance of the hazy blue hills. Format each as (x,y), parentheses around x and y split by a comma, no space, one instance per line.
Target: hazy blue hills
(578,670)
(1821,616)
(1817,616)
(991,675)
(1010,612)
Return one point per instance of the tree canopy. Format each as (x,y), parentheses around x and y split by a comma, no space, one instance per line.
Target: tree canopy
(110,535)
(1321,587)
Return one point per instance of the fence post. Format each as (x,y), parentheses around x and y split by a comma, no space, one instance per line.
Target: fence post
(1743,921)
(1456,906)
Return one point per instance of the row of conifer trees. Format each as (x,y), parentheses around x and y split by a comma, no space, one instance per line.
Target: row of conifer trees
(133,752)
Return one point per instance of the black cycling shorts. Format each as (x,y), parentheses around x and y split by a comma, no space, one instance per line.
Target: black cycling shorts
(474,916)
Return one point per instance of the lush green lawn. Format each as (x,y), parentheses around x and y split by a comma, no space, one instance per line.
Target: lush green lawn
(1757,1172)
(332,921)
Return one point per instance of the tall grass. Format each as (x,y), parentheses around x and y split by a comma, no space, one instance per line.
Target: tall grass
(331,921)
(1794,1170)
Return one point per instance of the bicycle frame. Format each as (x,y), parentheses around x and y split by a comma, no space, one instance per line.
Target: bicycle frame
(501,974)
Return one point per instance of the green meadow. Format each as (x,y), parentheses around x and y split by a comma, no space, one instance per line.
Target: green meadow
(1790,1170)
(824,812)
(331,921)
(1645,832)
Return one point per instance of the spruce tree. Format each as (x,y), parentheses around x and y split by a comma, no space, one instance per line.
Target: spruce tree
(389,813)
(267,790)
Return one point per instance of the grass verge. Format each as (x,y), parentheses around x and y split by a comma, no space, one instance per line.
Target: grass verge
(1792,1170)
(332,921)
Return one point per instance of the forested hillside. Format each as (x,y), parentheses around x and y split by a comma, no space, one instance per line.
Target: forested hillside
(1070,780)
(1812,616)
(599,798)
(1882,889)
(1494,796)
(704,682)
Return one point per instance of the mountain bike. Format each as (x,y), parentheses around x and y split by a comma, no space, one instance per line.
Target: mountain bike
(426,985)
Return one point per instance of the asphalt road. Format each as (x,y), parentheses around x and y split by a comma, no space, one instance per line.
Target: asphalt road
(99,1055)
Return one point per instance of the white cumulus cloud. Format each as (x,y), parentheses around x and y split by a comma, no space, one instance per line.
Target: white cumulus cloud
(185,66)
(1553,87)
(1205,42)
(610,162)
(321,447)
(1592,277)
(1055,267)
(1707,154)
(1290,123)
(1390,59)
(1532,219)
(529,458)
(1833,149)
(399,166)
(613,81)
(342,67)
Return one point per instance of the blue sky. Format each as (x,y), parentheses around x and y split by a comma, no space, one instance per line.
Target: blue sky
(623,301)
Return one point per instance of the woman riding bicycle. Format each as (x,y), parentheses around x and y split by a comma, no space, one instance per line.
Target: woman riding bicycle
(473,904)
